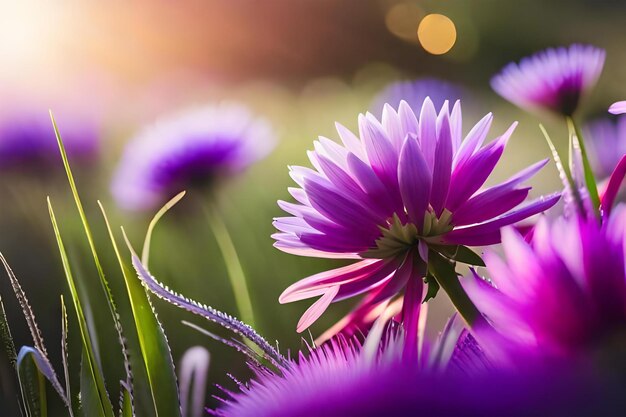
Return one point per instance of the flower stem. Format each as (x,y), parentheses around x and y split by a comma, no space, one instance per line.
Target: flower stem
(590,181)
(233,265)
(444,272)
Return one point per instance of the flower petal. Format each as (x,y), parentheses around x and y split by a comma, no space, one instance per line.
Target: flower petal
(351,141)
(618,107)
(326,279)
(407,119)
(316,310)
(442,166)
(415,180)
(382,156)
(615,182)
(393,126)
(428,131)
(456,126)
(488,204)
(471,175)
(337,207)
(473,140)
(489,233)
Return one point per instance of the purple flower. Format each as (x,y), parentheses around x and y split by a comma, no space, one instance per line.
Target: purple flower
(562,296)
(405,189)
(27,140)
(343,378)
(190,149)
(553,79)
(415,92)
(606,142)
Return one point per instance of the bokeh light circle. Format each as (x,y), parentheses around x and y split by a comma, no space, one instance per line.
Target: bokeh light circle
(436,33)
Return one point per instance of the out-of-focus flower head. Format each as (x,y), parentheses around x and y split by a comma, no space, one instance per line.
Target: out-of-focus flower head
(345,378)
(28,142)
(606,143)
(407,189)
(553,79)
(564,295)
(414,92)
(191,149)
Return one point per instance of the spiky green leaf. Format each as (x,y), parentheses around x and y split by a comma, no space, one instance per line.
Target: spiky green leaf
(126,402)
(29,315)
(7,338)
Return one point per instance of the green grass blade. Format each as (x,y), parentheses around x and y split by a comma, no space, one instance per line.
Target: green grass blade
(91,368)
(103,281)
(155,351)
(90,400)
(79,206)
(145,253)
(233,265)
(564,173)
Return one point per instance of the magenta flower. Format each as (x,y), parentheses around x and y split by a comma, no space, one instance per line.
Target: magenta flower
(414,92)
(564,295)
(192,149)
(406,190)
(342,378)
(553,79)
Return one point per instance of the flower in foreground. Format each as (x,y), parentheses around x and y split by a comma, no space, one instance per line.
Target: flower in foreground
(414,92)
(27,139)
(403,194)
(191,149)
(564,295)
(553,79)
(345,378)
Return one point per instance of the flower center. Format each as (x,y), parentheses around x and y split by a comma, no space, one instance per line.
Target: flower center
(398,238)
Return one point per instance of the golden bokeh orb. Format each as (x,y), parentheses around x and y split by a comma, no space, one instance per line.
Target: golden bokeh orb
(436,33)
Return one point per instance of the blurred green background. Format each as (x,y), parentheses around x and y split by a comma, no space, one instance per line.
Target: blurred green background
(303,65)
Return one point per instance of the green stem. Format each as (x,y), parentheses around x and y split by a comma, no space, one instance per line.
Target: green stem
(444,272)
(590,181)
(233,265)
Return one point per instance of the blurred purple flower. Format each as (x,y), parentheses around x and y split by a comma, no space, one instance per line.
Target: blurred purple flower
(403,189)
(606,140)
(343,378)
(564,296)
(415,92)
(27,140)
(553,79)
(190,149)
